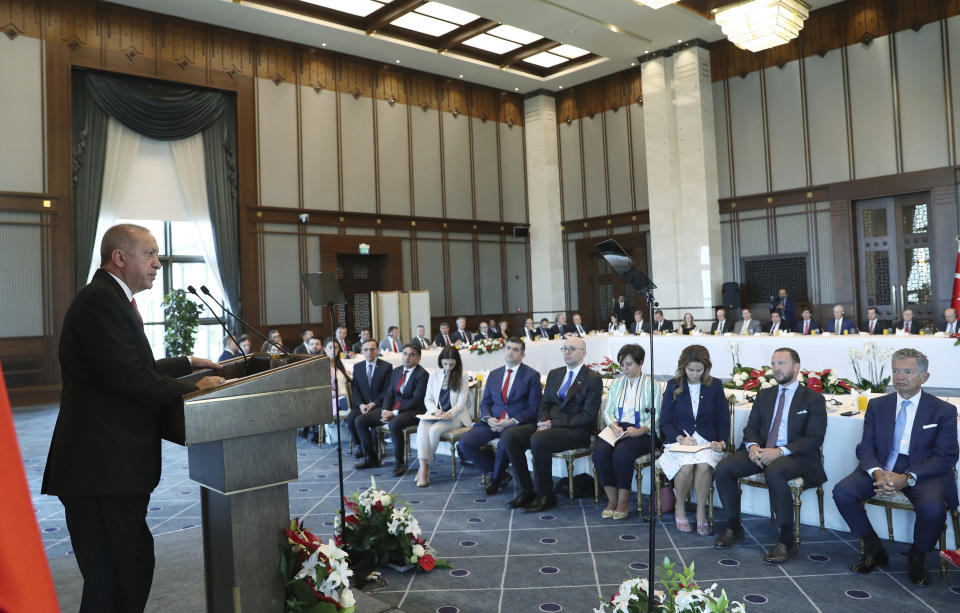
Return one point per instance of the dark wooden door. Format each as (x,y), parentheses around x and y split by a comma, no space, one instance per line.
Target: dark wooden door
(359,276)
(599,285)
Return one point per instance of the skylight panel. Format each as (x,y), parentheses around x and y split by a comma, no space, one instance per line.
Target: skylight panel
(424,24)
(515,35)
(491,44)
(545,59)
(569,51)
(446,13)
(361,8)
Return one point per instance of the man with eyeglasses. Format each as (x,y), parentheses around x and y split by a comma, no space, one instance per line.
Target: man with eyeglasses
(566,419)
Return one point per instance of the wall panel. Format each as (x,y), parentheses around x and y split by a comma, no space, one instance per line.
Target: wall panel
(792,234)
(356,146)
(462,294)
(321,182)
(277,140)
(393,158)
(427,186)
(486,175)
(754,239)
(456,166)
(746,129)
(594,172)
(638,142)
(720,125)
(953,36)
(512,174)
(874,146)
(491,278)
(785,123)
(20,275)
(572,278)
(923,113)
(572,174)
(824,256)
(281,278)
(312,245)
(430,272)
(21,115)
(827,119)
(517,278)
(618,161)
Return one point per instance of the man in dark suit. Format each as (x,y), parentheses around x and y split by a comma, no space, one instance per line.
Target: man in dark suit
(511,397)
(873,322)
(483,334)
(720,325)
(365,335)
(343,345)
(621,309)
(529,332)
(840,324)
(443,339)
(461,334)
(775,326)
(402,402)
(559,329)
(566,419)
(949,325)
(788,308)
(421,338)
(230,350)
(807,324)
(543,332)
(782,439)
(909,445)
(104,458)
(907,323)
(661,325)
(638,326)
(494,329)
(577,326)
(306,335)
(370,378)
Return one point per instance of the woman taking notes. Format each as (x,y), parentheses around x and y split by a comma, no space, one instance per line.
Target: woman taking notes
(447,403)
(627,419)
(694,412)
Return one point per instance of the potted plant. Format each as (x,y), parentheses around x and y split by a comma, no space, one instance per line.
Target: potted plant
(181,320)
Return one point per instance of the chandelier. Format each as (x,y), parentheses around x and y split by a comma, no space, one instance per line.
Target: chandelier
(655,4)
(756,25)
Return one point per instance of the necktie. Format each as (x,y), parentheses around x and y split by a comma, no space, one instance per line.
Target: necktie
(838,326)
(952,329)
(369,373)
(720,326)
(898,429)
(394,344)
(872,323)
(446,339)
(403,378)
(343,347)
(133,302)
(561,394)
(638,328)
(906,327)
(774,328)
(775,424)
(503,392)
(806,326)
(580,330)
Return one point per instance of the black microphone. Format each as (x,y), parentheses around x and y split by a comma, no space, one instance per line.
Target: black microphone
(193,291)
(203,288)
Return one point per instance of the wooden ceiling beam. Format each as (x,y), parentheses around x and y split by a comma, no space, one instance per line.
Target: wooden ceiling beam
(388,12)
(526,51)
(464,32)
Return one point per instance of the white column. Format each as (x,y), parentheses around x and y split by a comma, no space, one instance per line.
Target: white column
(543,198)
(682,182)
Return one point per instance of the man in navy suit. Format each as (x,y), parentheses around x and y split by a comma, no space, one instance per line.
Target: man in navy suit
(461,334)
(909,445)
(370,377)
(511,397)
(566,419)
(529,331)
(560,329)
(839,323)
(949,325)
(443,339)
(788,308)
(577,326)
(402,402)
(543,332)
(907,323)
(621,309)
(638,325)
(483,334)
(872,325)
(807,324)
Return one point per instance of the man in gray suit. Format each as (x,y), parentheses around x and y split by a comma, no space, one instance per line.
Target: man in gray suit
(392,342)
(747,324)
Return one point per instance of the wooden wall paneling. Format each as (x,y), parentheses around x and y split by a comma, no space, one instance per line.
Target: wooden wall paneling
(183,51)
(76,25)
(20,18)
(590,101)
(454,97)
(276,62)
(510,109)
(230,57)
(390,84)
(845,255)
(131,41)
(248,197)
(567,108)
(866,20)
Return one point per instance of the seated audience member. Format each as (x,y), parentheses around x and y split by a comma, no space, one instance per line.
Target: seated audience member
(392,341)
(343,345)
(949,324)
(276,346)
(560,329)
(529,330)
(494,328)
(787,306)
(305,335)
(448,392)
(747,324)
(421,338)
(544,330)
(630,401)
(840,324)
(899,454)
(230,350)
(365,335)
(907,323)
(566,419)
(807,325)
(245,343)
(688,324)
(461,334)
(511,397)
(443,339)
(314,347)
(504,329)
(577,326)
(694,412)
(639,326)
(370,378)
(720,324)
(483,334)
(776,325)
(402,402)
(873,322)
(661,325)
(616,326)
(332,349)
(782,439)
(621,309)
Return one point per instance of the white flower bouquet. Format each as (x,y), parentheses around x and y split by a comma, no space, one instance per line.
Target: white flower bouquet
(317,575)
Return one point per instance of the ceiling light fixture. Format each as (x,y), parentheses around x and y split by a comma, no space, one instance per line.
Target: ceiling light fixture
(397,61)
(654,4)
(756,25)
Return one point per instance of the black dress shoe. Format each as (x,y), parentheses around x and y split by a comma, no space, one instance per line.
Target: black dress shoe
(870,560)
(495,485)
(302,433)
(399,470)
(541,503)
(358,454)
(917,568)
(368,463)
(728,537)
(781,553)
(523,499)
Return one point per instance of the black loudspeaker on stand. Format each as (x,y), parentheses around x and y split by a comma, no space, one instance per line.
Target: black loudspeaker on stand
(618,259)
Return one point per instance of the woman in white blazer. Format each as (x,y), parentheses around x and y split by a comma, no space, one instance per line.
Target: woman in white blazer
(447,401)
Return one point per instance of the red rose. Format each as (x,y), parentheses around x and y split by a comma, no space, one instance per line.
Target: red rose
(844,384)
(427,562)
(815,384)
(615,594)
(378,506)
(755,373)
(353,519)
(752,383)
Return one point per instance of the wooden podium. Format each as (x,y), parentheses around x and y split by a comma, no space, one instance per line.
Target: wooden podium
(242,449)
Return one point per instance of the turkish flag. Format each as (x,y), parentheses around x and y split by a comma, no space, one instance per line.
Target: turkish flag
(25,582)
(955,303)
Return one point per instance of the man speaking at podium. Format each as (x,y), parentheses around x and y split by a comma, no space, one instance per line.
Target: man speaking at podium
(104,458)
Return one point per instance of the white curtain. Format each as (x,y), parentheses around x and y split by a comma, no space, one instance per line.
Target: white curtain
(122,146)
(189,162)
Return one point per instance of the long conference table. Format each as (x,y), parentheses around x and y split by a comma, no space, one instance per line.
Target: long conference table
(816,353)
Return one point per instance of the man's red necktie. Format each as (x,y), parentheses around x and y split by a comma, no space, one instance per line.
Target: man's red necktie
(403,378)
(394,343)
(503,392)
(806,327)
(906,327)
(872,323)
(133,302)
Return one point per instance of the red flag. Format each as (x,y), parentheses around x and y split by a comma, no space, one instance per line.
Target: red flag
(25,582)
(955,303)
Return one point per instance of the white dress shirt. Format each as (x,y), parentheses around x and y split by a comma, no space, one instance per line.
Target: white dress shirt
(907,428)
(123,286)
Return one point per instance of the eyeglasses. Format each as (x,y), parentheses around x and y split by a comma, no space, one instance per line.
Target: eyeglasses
(569,348)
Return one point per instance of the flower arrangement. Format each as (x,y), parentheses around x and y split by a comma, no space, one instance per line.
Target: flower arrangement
(734,348)
(486,346)
(380,523)
(606,368)
(747,378)
(316,575)
(682,595)
(877,358)
(823,381)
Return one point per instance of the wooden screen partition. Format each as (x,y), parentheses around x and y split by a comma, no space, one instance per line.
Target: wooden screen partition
(385,312)
(418,314)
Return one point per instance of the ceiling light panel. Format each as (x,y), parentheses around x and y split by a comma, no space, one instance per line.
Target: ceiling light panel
(569,51)
(361,8)
(545,59)
(492,44)
(423,24)
(446,13)
(515,35)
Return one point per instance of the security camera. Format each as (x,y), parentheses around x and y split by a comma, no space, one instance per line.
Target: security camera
(304,217)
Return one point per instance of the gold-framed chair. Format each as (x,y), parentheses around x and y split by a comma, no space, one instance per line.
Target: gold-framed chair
(453,436)
(889,502)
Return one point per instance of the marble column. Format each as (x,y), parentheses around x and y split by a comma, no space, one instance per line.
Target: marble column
(543,198)
(682,182)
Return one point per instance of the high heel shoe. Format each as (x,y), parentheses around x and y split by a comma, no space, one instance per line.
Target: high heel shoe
(607,514)
(620,514)
(423,483)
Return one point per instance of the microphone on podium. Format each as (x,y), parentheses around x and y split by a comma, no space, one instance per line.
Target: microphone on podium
(203,288)
(193,291)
